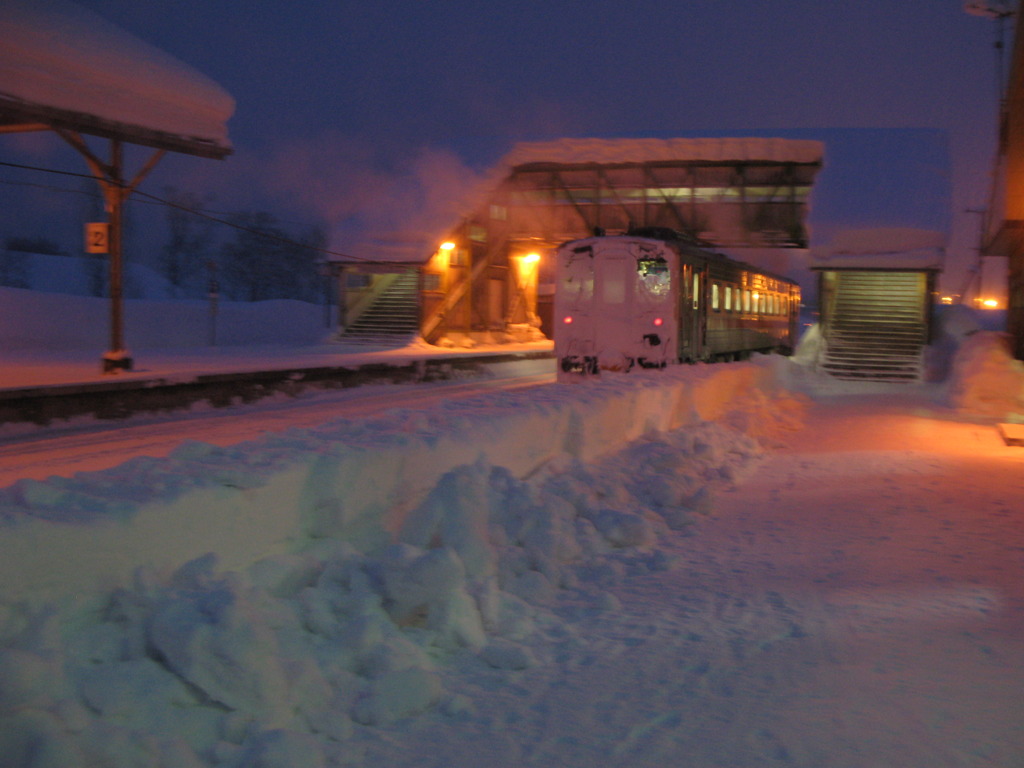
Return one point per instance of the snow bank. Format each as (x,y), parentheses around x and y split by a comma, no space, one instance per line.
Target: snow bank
(259,604)
(985,378)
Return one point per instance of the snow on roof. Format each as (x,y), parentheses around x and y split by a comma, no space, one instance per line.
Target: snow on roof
(606,151)
(58,55)
(419,248)
(883,248)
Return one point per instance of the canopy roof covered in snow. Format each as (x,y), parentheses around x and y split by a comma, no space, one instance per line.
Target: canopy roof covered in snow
(416,247)
(62,66)
(894,248)
(678,150)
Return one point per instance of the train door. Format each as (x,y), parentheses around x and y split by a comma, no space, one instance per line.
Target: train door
(613,308)
(691,312)
(686,312)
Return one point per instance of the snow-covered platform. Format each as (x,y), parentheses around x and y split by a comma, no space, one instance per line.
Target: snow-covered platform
(41,387)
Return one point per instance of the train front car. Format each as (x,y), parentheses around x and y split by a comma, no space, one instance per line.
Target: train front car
(616,305)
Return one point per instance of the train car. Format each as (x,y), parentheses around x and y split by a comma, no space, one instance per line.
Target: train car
(654,297)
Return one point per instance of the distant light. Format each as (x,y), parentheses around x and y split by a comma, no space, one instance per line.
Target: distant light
(947,299)
(567,319)
(658,321)
(448,245)
(990,303)
(531,258)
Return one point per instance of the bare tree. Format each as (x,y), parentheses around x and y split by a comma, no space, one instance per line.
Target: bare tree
(264,261)
(189,241)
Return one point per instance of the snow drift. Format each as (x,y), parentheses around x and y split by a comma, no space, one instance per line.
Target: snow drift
(252,605)
(279,602)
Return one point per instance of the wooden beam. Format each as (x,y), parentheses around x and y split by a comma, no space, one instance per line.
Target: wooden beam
(15,112)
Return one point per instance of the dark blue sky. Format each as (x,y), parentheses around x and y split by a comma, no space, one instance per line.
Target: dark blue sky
(339,102)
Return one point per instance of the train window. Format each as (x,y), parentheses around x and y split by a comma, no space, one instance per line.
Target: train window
(696,291)
(654,275)
(746,299)
(728,298)
(577,287)
(714,297)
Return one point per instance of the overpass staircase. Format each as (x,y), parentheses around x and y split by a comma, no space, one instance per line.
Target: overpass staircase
(877,329)
(393,317)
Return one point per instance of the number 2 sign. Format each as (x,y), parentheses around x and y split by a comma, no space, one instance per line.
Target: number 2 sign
(97,237)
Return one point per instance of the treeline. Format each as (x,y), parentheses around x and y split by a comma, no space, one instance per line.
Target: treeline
(252,259)
(244,256)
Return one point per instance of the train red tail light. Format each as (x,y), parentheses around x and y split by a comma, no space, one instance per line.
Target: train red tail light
(567,319)
(658,321)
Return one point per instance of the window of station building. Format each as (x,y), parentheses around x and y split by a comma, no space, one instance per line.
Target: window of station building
(714,297)
(431,281)
(478,234)
(499,212)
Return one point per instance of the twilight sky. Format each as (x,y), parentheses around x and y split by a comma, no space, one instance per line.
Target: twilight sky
(345,106)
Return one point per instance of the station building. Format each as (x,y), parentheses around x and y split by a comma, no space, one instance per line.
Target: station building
(488,277)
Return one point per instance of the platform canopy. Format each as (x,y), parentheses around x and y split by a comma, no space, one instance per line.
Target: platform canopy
(63,67)
(730,150)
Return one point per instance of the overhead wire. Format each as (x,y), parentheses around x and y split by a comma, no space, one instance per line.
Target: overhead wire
(157,200)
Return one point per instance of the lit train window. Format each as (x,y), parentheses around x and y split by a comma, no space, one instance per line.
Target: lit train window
(728,298)
(746,299)
(714,297)
(696,291)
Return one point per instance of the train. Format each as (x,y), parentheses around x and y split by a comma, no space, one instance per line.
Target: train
(655,297)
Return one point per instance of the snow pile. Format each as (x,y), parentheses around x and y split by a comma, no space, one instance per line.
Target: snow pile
(377,574)
(985,378)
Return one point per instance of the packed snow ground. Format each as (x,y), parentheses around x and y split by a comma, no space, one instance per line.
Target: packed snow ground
(715,565)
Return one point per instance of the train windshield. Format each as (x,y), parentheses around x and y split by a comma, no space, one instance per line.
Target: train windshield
(653,276)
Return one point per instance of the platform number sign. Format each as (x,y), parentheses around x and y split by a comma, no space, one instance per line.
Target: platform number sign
(97,237)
